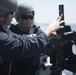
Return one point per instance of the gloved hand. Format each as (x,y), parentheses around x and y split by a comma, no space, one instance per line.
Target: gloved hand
(54,26)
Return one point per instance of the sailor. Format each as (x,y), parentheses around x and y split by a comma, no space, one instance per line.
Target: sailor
(26,25)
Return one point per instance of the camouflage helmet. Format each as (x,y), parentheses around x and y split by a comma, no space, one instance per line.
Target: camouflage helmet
(24,8)
(8,6)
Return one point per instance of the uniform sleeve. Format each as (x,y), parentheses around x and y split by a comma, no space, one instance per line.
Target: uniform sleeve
(19,47)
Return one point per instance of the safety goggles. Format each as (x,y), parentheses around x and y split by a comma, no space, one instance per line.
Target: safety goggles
(26,17)
(11,13)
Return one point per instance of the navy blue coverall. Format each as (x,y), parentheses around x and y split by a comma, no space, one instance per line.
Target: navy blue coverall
(27,66)
(14,46)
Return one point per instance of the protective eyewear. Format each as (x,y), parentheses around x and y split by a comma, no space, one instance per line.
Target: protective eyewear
(11,13)
(26,17)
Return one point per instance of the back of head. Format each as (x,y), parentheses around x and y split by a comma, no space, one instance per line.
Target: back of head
(24,8)
(8,5)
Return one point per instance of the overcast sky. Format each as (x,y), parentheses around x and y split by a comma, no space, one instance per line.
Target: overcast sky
(47,10)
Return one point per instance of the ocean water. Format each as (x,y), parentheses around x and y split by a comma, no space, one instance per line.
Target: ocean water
(44,25)
(73,27)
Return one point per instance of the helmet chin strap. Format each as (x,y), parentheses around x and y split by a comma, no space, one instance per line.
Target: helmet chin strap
(5,21)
